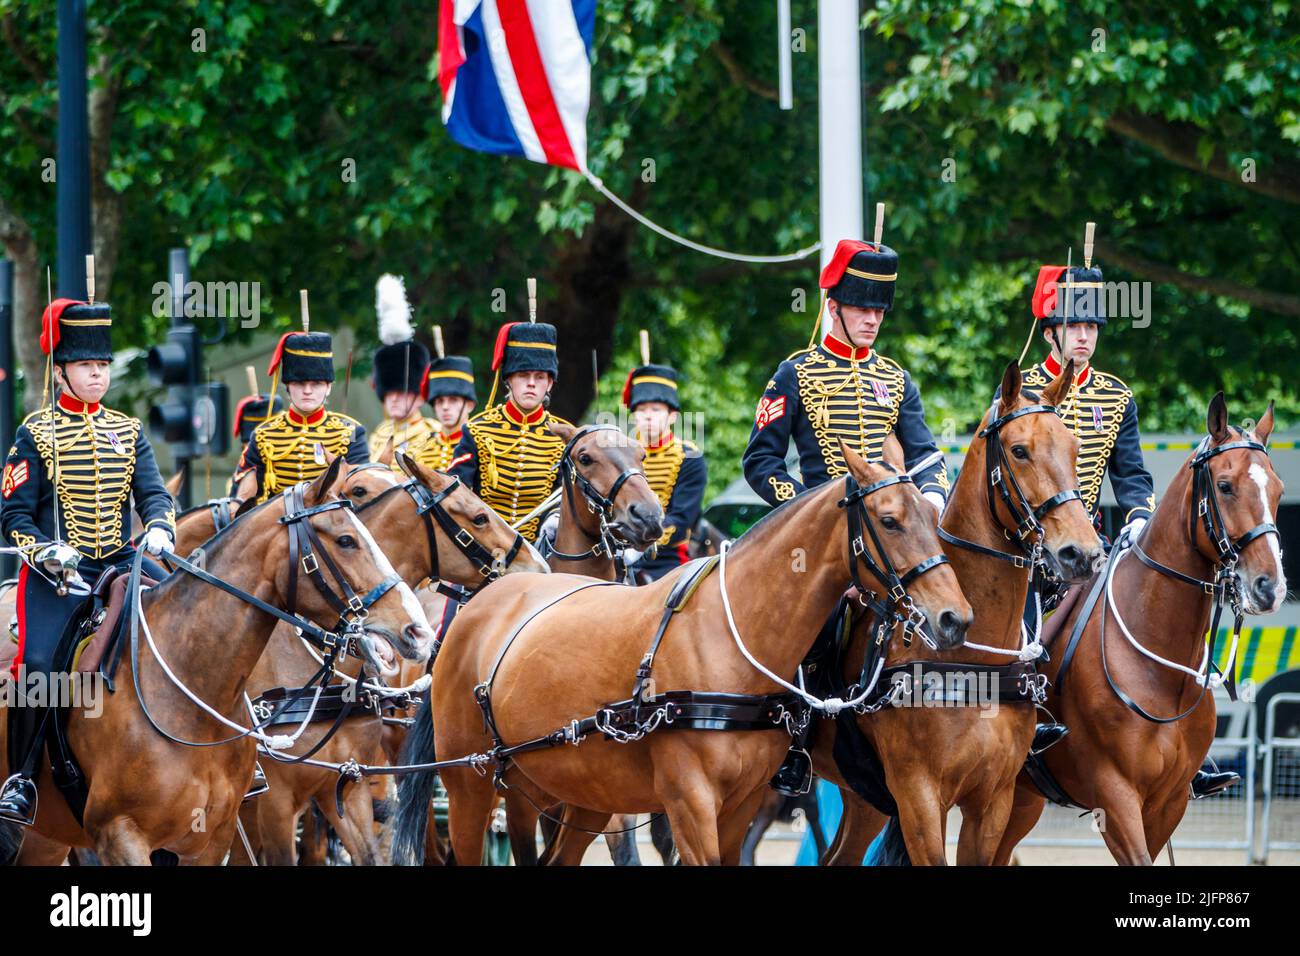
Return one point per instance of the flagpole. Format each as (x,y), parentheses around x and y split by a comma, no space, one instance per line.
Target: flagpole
(839,127)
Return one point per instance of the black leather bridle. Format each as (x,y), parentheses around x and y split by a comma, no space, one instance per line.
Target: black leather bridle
(895,605)
(429,506)
(607,546)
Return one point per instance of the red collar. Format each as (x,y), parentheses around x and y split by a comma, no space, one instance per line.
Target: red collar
(665,440)
(454,436)
(297,418)
(843,350)
(76,405)
(516,414)
(1054,368)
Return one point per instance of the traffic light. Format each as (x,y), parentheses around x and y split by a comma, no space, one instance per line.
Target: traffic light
(177,363)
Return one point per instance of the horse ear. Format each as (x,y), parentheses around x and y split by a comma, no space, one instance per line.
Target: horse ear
(431,479)
(330,457)
(173,484)
(1264,427)
(1216,418)
(386,456)
(892,453)
(1055,393)
(1011,382)
(563,431)
(859,467)
(321,487)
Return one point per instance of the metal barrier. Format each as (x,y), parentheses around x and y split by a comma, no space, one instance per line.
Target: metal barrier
(1280,814)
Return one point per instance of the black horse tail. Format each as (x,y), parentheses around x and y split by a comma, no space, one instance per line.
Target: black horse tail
(414,790)
(889,848)
(11,841)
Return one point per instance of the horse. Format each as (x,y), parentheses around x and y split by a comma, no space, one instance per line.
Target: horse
(462,537)
(209,626)
(589,540)
(1130,666)
(514,658)
(1018,484)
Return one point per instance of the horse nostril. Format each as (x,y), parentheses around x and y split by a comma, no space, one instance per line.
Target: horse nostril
(953,627)
(1264,590)
(1071,556)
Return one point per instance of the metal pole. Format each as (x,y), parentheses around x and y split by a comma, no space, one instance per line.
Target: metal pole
(178,274)
(8,566)
(839,124)
(786,83)
(73,165)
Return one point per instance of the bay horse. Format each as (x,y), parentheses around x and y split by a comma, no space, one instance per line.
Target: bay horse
(458,549)
(937,757)
(540,653)
(1135,689)
(161,773)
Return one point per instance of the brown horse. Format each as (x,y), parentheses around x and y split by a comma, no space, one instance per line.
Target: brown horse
(938,757)
(574,646)
(1133,760)
(271,819)
(598,467)
(148,791)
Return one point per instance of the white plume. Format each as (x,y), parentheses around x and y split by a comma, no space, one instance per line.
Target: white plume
(393,310)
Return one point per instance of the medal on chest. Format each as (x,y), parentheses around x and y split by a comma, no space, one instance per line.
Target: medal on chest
(318,453)
(116,443)
(1096,418)
(881,391)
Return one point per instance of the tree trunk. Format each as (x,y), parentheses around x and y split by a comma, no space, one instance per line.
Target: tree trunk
(29,299)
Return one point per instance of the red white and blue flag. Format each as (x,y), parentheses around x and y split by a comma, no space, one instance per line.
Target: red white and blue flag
(516,76)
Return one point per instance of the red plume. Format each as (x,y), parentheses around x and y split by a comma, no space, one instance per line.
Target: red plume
(239,410)
(279,353)
(499,352)
(1045,290)
(627,389)
(50,323)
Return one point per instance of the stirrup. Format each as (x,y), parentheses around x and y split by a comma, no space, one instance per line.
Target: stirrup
(18,800)
(259,785)
(794,778)
(1047,735)
(1206,784)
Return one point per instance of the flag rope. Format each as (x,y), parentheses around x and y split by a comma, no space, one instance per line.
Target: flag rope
(803,253)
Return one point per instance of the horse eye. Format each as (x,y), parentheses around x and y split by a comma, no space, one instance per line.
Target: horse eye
(481,521)
(347,541)
(358,492)
(1020,451)
(890,523)
(584,459)
(1225,487)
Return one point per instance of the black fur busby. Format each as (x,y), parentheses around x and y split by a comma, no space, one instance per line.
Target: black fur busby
(1075,293)
(77,331)
(304,357)
(651,383)
(861,274)
(401,361)
(526,347)
(453,375)
(252,411)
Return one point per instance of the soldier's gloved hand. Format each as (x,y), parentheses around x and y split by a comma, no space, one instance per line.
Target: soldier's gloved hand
(1133,529)
(631,556)
(935,499)
(56,556)
(549,525)
(158,540)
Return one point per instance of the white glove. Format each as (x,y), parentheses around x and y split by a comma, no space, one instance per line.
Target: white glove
(1133,528)
(158,540)
(549,525)
(631,556)
(54,558)
(935,499)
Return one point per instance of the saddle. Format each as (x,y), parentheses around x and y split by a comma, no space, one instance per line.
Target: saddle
(1055,623)
(99,623)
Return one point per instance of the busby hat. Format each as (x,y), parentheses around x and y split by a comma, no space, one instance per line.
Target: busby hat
(1075,293)
(77,331)
(651,383)
(401,361)
(526,347)
(451,375)
(304,357)
(861,274)
(252,410)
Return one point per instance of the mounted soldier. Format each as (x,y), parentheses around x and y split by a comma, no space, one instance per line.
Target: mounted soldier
(400,366)
(69,482)
(293,446)
(508,454)
(450,390)
(841,390)
(253,409)
(674,466)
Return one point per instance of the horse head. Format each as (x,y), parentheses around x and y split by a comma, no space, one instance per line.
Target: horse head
(902,535)
(599,471)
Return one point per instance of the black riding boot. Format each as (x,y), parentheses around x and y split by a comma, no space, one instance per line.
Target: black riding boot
(1206,783)
(259,785)
(1045,735)
(26,736)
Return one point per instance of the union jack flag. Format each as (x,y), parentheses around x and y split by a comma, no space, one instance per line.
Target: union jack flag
(516,76)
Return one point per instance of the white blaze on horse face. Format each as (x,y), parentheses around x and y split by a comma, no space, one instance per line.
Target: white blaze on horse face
(1260,477)
(410,603)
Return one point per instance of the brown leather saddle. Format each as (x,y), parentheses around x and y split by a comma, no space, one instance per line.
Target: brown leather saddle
(107,599)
